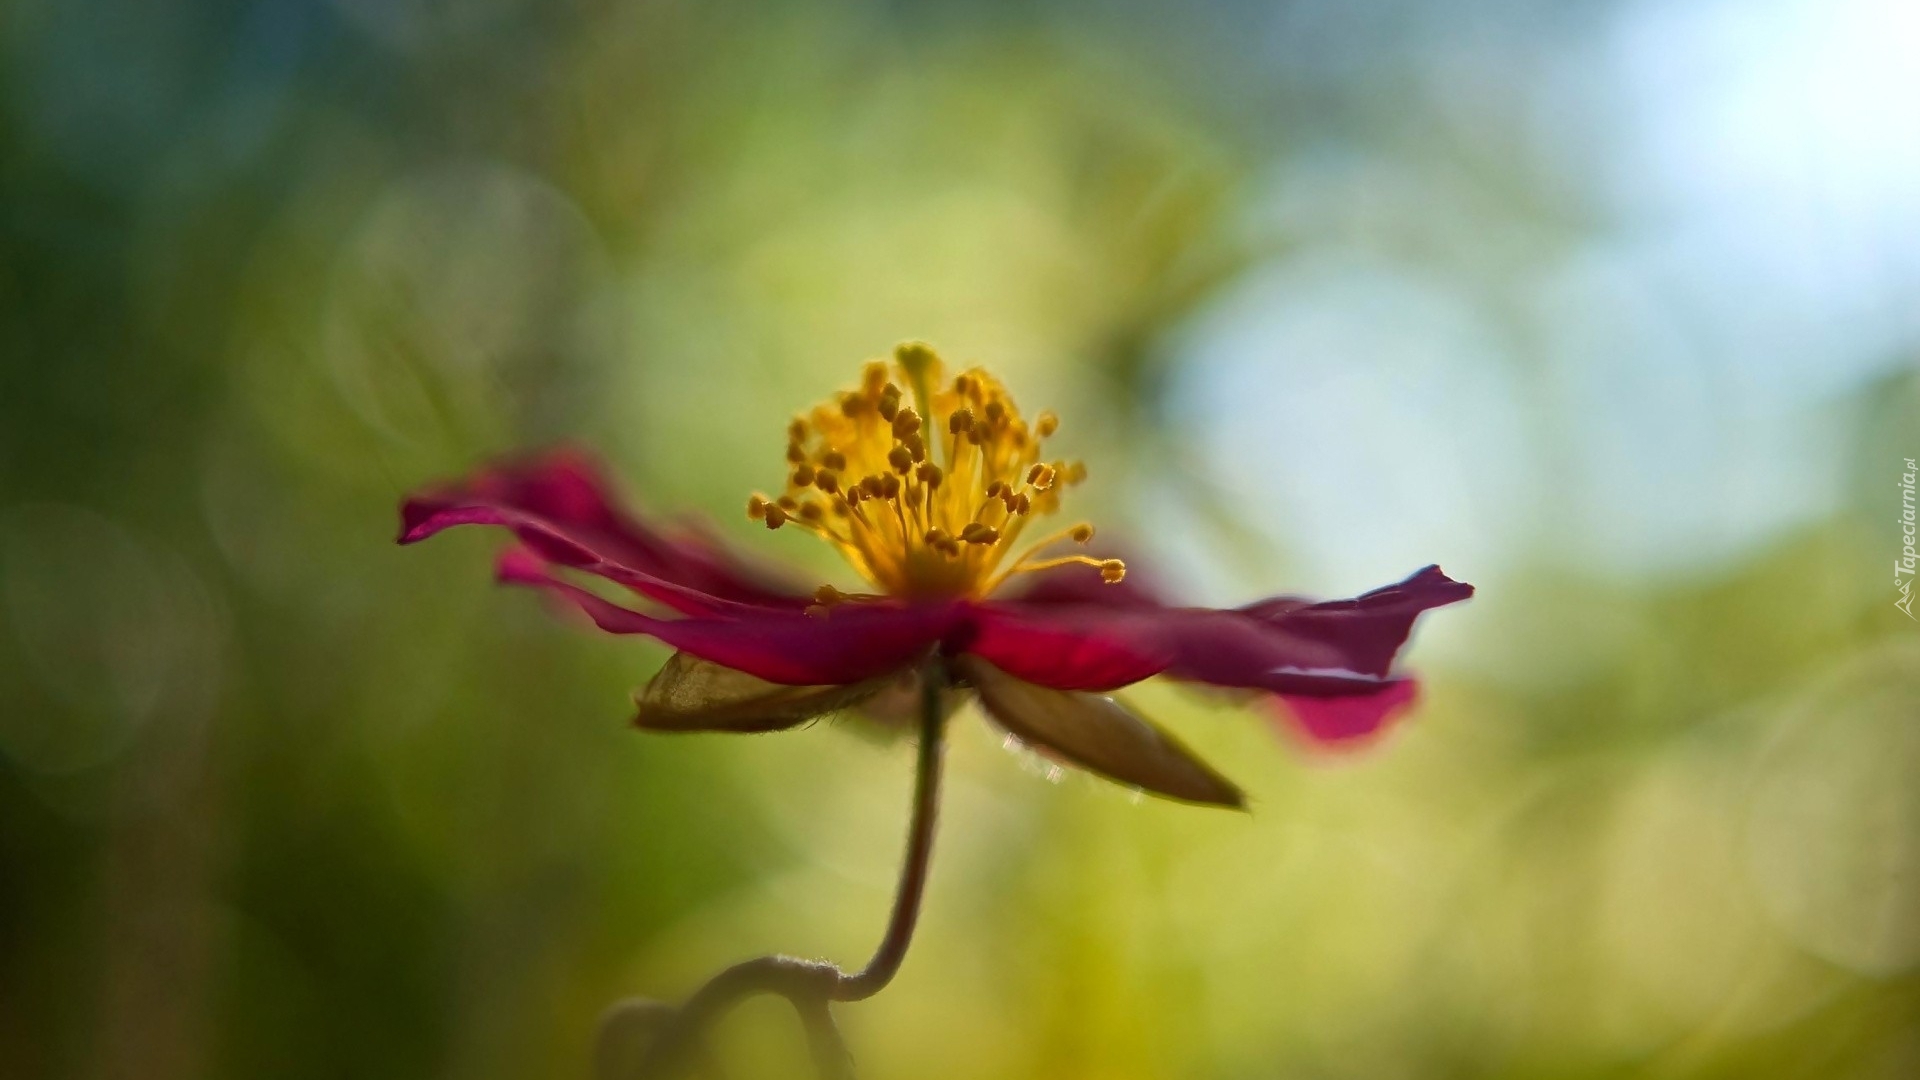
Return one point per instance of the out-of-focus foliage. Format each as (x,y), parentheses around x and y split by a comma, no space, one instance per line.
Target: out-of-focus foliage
(1605,306)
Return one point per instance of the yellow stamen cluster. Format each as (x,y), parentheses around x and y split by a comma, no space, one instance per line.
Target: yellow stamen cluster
(926,484)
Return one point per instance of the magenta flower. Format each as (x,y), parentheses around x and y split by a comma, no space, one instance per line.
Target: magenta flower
(929,487)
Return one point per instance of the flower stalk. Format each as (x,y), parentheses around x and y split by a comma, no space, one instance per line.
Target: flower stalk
(811,986)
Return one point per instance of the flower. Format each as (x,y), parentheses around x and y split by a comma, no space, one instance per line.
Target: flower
(928,487)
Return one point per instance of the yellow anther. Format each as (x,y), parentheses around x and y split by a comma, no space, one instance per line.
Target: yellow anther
(1113,571)
(1073,472)
(936,500)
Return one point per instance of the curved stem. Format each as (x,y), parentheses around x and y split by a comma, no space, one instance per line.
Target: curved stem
(810,985)
(913,872)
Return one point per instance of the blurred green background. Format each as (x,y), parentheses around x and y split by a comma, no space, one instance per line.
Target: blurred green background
(1607,306)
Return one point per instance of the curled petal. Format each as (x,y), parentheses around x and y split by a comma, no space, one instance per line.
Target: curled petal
(1225,648)
(561,509)
(1368,629)
(849,643)
(691,694)
(1060,636)
(1087,647)
(1097,734)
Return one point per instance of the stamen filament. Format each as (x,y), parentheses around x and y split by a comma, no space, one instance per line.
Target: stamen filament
(1046,542)
(1048,564)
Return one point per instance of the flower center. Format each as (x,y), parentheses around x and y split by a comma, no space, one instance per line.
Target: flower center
(925,484)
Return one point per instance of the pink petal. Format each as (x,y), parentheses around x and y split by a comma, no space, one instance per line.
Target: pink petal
(1064,648)
(1090,647)
(559,507)
(1347,720)
(845,644)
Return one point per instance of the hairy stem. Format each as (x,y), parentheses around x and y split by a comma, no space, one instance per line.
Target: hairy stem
(811,985)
